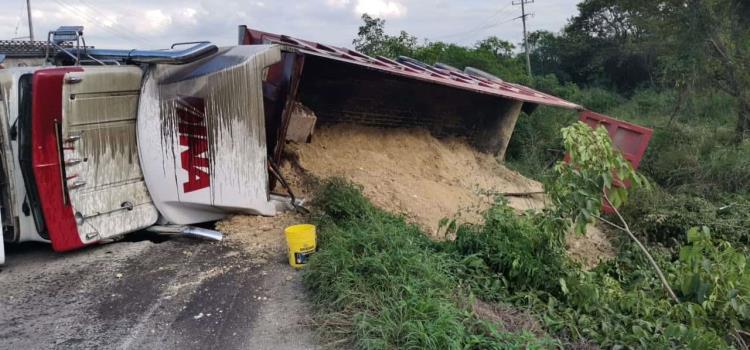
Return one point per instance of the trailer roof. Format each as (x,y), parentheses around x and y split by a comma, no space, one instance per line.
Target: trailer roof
(410,68)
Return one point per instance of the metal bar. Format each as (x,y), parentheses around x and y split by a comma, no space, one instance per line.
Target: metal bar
(187,55)
(31,25)
(291,96)
(188,231)
(61,159)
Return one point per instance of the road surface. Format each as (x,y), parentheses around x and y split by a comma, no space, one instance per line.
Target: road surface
(150,293)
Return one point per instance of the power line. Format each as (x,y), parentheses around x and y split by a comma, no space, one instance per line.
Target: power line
(115,25)
(485,24)
(525,37)
(114,31)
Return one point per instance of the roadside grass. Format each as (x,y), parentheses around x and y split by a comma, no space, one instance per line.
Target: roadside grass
(380,283)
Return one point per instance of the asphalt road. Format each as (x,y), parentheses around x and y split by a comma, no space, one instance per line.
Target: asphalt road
(176,294)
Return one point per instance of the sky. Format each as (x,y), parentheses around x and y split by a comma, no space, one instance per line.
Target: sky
(151,24)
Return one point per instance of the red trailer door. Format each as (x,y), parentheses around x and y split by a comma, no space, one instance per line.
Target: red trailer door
(632,140)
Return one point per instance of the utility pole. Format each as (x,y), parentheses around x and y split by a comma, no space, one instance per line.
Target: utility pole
(525,37)
(31,26)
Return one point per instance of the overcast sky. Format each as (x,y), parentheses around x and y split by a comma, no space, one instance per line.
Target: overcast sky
(157,23)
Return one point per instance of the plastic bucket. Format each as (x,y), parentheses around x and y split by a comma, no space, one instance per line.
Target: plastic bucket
(301,242)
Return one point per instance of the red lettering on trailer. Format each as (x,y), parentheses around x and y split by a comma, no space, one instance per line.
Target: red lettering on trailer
(191,112)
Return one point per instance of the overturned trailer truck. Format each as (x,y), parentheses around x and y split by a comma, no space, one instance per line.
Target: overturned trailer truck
(108,142)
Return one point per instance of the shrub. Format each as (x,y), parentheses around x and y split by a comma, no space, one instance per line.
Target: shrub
(620,304)
(380,283)
(663,218)
(519,249)
(698,160)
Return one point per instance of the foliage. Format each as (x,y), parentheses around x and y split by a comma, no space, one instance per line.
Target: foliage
(524,253)
(695,45)
(594,167)
(699,160)
(716,277)
(372,40)
(662,218)
(691,151)
(492,54)
(619,304)
(379,283)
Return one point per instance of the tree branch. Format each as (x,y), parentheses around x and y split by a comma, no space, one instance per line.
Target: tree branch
(651,260)
(721,52)
(610,223)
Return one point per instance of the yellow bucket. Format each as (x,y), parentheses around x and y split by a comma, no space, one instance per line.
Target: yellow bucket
(301,242)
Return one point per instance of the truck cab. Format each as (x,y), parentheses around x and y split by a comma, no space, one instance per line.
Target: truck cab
(107,142)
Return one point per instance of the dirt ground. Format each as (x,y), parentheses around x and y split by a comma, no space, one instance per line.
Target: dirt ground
(409,171)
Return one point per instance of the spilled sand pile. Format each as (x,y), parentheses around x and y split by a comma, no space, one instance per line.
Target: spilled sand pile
(411,172)
(590,249)
(403,171)
(427,179)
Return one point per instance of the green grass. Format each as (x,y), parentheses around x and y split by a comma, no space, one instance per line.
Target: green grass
(380,283)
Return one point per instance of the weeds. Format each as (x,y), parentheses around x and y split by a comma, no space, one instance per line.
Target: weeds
(618,304)
(379,283)
(663,218)
(692,150)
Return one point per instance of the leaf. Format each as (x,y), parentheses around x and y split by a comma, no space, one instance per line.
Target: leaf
(564,286)
(693,235)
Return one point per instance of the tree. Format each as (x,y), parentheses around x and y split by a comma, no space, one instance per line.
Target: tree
(706,43)
(683,44)
(608,43)
(725,35)
(498,47)
(372,40)
(492,55)
(371,36)
(589,180)
(544,47)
